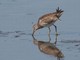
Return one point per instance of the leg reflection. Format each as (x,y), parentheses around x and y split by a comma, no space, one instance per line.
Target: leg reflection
(56,39)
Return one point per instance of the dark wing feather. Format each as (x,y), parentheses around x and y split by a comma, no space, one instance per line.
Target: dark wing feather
(46,18)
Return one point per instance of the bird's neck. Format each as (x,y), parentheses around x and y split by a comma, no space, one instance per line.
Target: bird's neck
(39,26)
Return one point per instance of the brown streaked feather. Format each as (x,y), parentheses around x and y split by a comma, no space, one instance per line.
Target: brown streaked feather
(47,18)
(39,26)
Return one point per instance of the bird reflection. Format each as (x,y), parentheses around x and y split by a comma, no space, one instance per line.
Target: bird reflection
(48,48)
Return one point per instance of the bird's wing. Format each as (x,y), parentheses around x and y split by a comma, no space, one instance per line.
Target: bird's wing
(47,18)
(46,15)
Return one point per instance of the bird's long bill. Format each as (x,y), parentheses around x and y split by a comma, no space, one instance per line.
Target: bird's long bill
(33,33)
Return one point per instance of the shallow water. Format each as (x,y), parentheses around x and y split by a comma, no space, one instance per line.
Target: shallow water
(17,18)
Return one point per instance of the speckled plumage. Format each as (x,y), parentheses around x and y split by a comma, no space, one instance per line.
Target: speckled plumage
(47,20)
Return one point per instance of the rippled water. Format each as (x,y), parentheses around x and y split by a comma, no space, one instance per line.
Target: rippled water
(17,18)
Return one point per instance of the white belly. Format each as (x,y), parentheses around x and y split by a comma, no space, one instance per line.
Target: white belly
(47,25)
(44,24)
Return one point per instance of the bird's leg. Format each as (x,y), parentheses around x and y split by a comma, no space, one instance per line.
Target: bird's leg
(58,58)
(56,29)
(56,39)
(56,34)
(49,34)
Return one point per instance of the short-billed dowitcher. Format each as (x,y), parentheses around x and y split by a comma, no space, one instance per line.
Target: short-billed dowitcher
(48,20)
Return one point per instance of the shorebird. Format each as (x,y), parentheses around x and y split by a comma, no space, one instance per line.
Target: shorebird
(48,20)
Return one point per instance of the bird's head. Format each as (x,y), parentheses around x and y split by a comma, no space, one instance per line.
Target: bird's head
(59,12)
